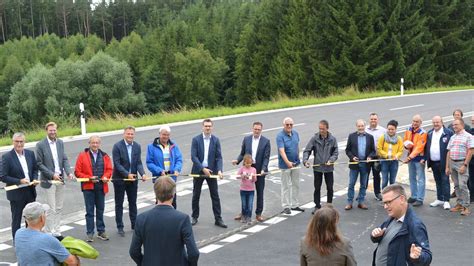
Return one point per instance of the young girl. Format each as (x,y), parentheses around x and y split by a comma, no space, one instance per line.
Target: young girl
(248,175)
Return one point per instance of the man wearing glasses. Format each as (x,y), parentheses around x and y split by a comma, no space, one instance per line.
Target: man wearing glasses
(402,239)
(288,159)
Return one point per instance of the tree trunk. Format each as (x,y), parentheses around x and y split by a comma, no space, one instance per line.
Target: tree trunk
(32,20)
(19,18)
(3,30)
(65,20)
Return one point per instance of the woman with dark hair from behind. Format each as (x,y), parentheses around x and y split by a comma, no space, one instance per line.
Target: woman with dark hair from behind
(323,244)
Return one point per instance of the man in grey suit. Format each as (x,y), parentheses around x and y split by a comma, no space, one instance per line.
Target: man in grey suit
(53,164)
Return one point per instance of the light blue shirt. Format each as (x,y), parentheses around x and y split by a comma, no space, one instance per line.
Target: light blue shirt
(207,142)
(36,248)
(361,146)
(290,144)
(129,151)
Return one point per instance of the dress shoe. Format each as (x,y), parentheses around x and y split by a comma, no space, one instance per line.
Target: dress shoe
(362,206)
(465,211)
(411,200)
(348,207)
(457,208)
(121,232)
(315,209)
(260,218)
(286,211)
(417,203)
(194,221)
(298,209)
(238,217)
(220,223)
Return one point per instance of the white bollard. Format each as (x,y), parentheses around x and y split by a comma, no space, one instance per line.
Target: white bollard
(83,119)
(402,90)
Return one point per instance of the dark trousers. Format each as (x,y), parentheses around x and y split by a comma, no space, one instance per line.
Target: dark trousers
(94,199)
(259,187)
(442,181)
(120,188)
(216,203)
(318,181)
(375,168)
(470,181)
(16,208)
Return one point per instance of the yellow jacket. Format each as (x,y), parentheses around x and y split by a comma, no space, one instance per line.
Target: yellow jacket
(382,148)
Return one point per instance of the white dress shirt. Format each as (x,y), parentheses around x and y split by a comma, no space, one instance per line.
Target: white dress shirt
(255,142)
(24,165)
(54,152)
(207,142)
(435,154)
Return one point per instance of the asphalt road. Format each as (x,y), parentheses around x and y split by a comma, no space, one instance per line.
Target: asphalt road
(230,130)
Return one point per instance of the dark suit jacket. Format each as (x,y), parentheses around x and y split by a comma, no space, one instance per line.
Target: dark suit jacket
(12,172)
(214,158)
(45,160)
(164,232)
(352,149)
(443,146)
(262,157)
(121,162)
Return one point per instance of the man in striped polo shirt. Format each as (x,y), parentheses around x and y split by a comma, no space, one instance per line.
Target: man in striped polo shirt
(460,150)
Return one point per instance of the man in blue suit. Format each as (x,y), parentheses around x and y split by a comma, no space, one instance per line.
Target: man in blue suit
(207,159)
(19,167)
(259,147)
(127,164)
(436,149)
(165,233)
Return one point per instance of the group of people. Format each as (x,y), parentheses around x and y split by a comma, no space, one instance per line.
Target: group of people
(371,148)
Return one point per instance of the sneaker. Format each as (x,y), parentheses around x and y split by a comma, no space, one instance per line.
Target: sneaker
(102,236)
(411,200)
(457,208)
(90,238)
(121,232)
(417,203)
(446,205)
(286,211)
(436,203)
(465,211)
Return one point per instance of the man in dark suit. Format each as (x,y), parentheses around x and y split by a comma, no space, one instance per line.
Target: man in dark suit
(436,149)
(207,159)
(165,233)
(360,147)
(19,167)
(259,147)
(53,163)
(127,164)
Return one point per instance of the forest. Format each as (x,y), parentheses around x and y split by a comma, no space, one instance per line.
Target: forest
(141,57)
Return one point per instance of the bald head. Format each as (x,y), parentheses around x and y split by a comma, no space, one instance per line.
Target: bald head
(416,121)
(437,122)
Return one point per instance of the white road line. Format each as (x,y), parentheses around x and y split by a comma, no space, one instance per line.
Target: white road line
(65,228)
(4,247)
(406,107)
(184,192)
(341,192)
(81,222)
(271,129)
(143,205)
(209,248)
(275,220)
(308,205)
(255,228)
(109,200)
(5,229)
(233,238)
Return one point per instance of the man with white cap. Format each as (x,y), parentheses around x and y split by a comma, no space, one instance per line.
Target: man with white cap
(33,247)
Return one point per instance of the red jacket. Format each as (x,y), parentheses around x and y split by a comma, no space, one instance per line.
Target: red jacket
(84,169)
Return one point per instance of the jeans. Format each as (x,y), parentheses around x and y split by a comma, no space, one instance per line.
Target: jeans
(94,198)
(247,202)
(389,172)
(361,169)
(290,186)
(442,181)
(318,180)
(120,188)
(416,172)
(376,168)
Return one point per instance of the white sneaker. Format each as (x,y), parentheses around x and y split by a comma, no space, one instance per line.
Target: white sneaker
(436,203)
(446,205)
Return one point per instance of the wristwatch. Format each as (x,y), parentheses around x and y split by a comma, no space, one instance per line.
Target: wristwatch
(465,164)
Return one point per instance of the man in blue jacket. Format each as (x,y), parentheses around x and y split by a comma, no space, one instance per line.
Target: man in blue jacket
(435,153)
(402,239)
(163,157)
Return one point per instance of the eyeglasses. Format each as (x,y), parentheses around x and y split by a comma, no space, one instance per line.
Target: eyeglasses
(389,202)
(18,141)
(289,125)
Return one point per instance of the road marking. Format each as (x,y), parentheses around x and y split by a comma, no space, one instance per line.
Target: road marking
(109,200)
(255,228)
(65,228)
(112,213)
(81,222)
(273,128)
(183,193)
(233,238)
(293,213)
(341,192)
(209,248)
(142,205)
(5,229)
(406,107)
(4,247)
(276,219)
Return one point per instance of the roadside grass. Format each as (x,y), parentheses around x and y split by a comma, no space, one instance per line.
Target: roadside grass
(109,122)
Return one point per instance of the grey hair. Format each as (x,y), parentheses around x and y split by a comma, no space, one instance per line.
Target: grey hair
(286,119)
(165,128)
(18,135)
(360,121)
(94,137)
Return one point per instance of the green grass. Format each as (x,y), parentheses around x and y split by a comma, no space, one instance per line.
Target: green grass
(118,122)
